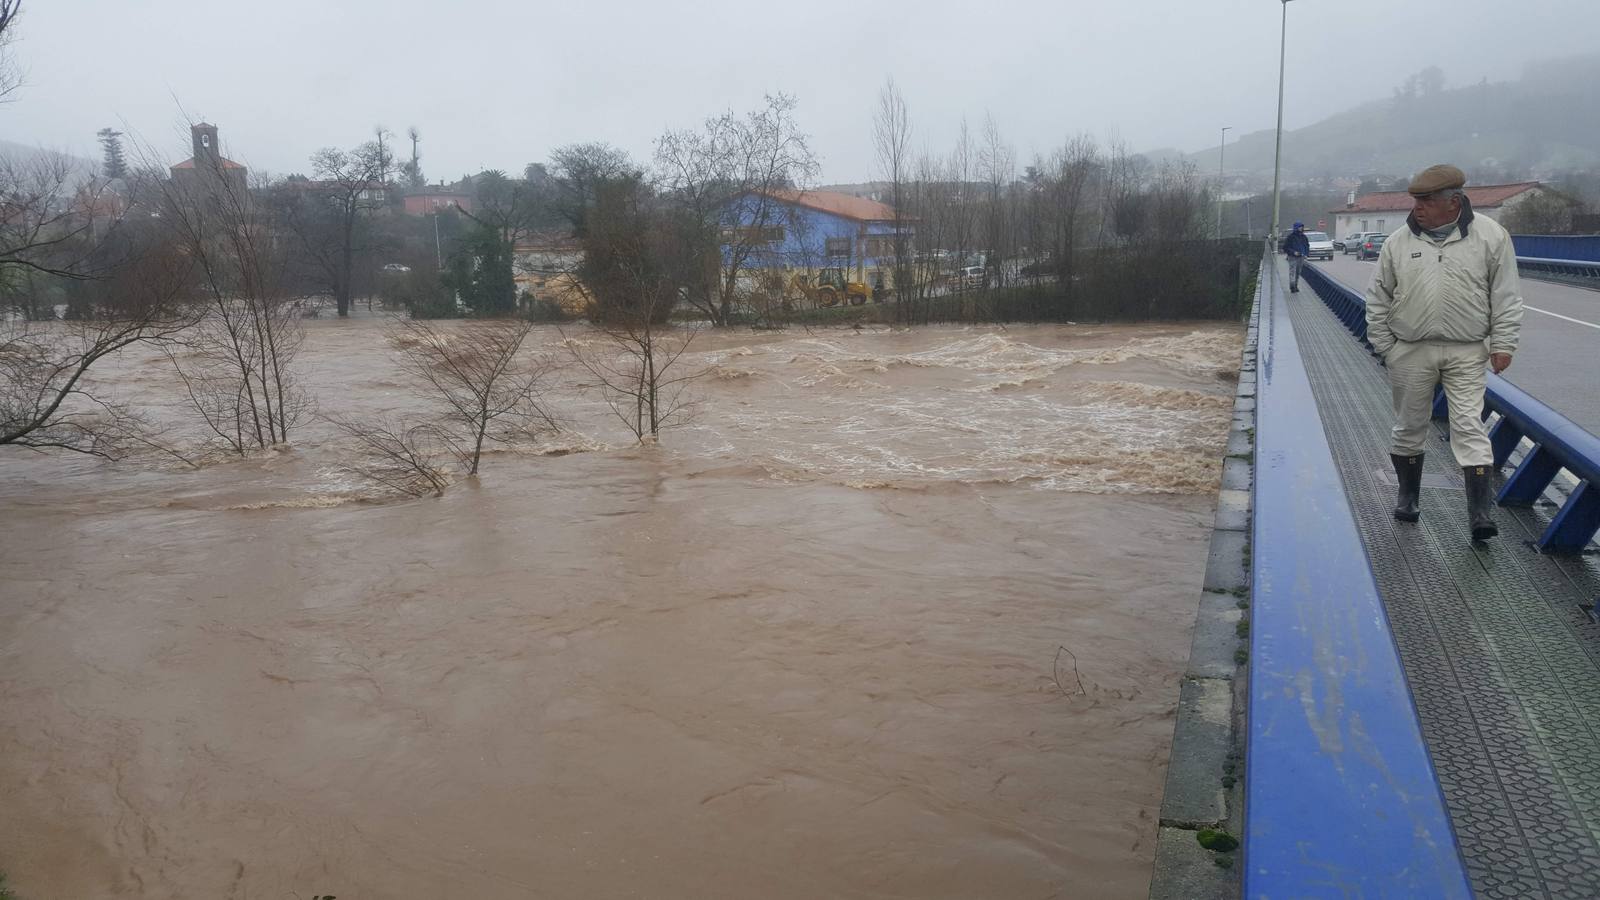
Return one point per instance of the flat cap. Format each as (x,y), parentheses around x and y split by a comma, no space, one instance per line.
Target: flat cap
(1437,178)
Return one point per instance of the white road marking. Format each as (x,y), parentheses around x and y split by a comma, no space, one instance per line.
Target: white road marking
(1560,316)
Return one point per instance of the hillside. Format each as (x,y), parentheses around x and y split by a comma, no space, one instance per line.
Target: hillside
(22,153)
(1547,121)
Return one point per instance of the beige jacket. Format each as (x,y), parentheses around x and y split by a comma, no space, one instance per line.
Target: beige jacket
(1463,290)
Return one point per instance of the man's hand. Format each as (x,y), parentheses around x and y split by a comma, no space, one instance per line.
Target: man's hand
(1499,362)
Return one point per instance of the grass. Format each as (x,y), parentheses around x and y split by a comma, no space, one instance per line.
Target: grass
(5,892)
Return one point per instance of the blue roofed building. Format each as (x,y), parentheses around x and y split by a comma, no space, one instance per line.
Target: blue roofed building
(804,231)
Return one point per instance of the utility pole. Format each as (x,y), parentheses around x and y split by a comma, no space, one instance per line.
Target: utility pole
(438,255)
(1222,154)
(1277,157)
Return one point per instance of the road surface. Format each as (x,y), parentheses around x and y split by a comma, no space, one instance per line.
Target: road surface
(1559,360)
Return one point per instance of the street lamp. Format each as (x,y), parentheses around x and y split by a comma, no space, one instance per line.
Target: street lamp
(1222,154)
(1277,157)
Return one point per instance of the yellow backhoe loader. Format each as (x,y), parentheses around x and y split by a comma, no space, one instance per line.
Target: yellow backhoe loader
(831,286)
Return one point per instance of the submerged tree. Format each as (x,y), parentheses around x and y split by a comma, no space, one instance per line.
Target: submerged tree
(632,291)
(481,385)
(136,295)
(237,364)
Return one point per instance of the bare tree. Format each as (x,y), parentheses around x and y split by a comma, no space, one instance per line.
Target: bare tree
(10,75)
(46,399)
(1126,203)
(330,217)
(1067,184)
(48,220)
(1545,212)
(53,234)
(636,367)
(998,164)
(891,137)
(582,171)
(404,456)
(237,363)
(512,207)
(632,290)
(730,187)
(484,387)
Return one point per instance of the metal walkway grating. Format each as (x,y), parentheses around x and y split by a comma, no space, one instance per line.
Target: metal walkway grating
(1502,660)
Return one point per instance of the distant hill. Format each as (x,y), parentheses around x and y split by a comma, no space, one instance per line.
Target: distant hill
(12,150)
(1545,122)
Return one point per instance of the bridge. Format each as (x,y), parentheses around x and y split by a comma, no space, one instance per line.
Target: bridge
(1418,716)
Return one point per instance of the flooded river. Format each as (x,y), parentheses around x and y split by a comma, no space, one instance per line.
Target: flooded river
(898,614)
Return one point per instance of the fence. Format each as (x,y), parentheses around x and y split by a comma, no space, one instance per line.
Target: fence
(1557,442)
(1571,247)
(1341,798)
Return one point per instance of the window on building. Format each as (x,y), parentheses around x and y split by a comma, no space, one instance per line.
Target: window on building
(751,235)
(1364,226)
(880,246)
(205,140)
(838,248)
(1380,224)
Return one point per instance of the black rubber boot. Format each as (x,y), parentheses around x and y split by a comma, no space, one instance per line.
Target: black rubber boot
(1294,288)
(1480,502)
(1408,471)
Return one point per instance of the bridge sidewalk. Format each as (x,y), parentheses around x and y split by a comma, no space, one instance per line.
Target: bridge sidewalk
(1499,650)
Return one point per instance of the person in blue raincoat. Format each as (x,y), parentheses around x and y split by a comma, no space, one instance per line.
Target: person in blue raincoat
(1295,247)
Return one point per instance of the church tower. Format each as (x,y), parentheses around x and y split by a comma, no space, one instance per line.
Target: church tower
(206,151)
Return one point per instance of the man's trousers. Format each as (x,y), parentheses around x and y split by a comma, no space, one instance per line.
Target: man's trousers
(1295,264)
(1414,368)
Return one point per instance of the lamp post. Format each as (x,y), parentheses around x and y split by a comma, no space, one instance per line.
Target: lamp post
(1277,157)
(1222,154)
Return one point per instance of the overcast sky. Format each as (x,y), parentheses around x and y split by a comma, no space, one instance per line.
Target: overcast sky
(494,84)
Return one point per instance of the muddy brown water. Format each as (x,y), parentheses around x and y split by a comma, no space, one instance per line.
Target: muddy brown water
(806,647)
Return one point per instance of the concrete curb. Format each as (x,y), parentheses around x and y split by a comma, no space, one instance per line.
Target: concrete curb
(1205,776)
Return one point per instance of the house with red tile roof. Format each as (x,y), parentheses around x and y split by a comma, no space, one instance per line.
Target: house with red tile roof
(1387,210)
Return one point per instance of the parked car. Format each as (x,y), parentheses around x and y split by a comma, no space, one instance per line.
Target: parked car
(970,277)
(1353,242)
(1370,247)
(396,267)
(1321,245)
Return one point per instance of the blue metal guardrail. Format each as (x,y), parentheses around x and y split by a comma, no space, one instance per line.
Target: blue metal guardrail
(1577,268)
(1558,443)
(1341,797)
(1567,247)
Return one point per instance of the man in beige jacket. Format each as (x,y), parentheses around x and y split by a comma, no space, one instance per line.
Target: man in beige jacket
(1445,303)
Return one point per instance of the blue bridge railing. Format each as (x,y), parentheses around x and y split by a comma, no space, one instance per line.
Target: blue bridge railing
(1341,799)
(1579,247)
(1572,268)
(1558,443)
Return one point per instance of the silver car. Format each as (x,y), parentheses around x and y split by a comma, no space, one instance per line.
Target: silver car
(1321,245)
